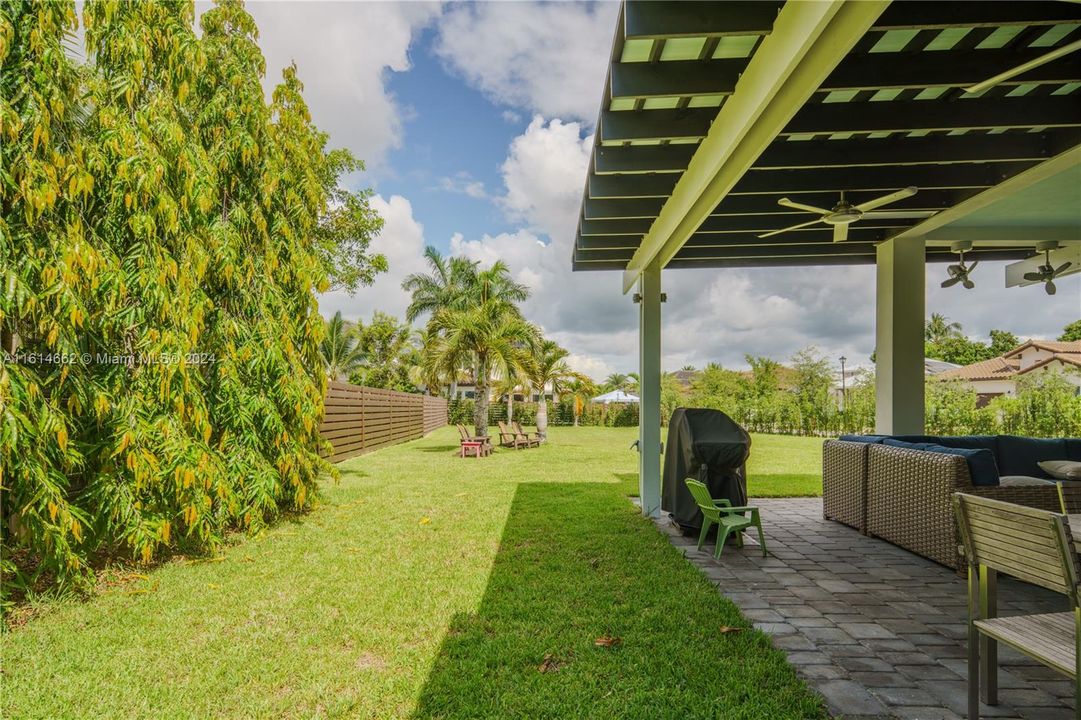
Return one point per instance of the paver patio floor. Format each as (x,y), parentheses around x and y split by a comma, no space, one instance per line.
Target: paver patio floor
(877,630)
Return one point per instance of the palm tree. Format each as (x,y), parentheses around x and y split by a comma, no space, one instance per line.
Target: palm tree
(494,335)
(615,381)
(340,349)
(447,285)
(509,385)
(939,328)
(549,368)
(581,390)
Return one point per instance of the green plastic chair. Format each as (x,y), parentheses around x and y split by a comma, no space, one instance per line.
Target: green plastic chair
(727,518)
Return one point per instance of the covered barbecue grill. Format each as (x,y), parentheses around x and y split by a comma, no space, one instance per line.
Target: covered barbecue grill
(711,447)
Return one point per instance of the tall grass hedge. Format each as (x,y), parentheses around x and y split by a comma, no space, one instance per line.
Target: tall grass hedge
(159,259)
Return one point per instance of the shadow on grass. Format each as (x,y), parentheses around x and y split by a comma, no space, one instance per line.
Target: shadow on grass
(439,448)
(577,563)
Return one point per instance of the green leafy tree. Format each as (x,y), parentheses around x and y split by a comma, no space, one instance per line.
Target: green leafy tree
(617,381)
(158,211)
(581,389)
(496,336)
(388,350)
(340,349)
(549,368)
(813,381)
(346,228)
(1002,342)
(939,328)
(449,284)
(958,349)
(1071,333)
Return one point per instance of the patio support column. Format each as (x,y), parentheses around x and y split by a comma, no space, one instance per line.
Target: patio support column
(899,323)
(649,407)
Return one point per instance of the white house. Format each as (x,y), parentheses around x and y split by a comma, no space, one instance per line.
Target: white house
(998,376)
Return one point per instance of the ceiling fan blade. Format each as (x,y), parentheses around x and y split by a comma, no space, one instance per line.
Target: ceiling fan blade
(898,214)
(794,227)
(968,284)
(1024,67)
(1063,266)
(840,232)
(1050,287)
(800,206)
(1033,276)
(887,199)
(973,266)
(951,282)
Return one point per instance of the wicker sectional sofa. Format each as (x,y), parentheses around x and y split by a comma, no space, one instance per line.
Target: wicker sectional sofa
(901,492)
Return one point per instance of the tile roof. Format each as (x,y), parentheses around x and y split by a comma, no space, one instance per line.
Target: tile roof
(1009,365)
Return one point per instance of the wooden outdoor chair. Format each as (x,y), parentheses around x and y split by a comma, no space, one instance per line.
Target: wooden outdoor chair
(536,437)
(471,442)
(727,518)
(508,438)
(1034,546)
(1069,497)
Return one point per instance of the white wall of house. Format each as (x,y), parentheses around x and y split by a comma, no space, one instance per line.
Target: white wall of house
(995,387)
(1071,373)
(1032,355)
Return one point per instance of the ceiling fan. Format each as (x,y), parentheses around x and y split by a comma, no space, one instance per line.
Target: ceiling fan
(845,213)
(1025,67)
(1046,273)
(959,272)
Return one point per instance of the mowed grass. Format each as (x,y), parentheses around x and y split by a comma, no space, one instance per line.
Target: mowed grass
(426,586)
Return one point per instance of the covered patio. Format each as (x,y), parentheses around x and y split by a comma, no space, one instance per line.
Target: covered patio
(963,118)
(876,630)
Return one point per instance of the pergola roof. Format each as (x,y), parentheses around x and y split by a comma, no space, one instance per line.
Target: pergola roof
(893,113)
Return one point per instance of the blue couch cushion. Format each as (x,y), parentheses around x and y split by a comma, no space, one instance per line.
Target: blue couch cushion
(1020,455)
(1073,449)
(981,462)
(970,442)
(863,438)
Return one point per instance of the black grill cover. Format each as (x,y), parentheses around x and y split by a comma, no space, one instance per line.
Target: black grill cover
(707,445)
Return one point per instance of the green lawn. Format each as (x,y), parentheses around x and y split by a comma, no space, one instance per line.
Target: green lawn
(427,586)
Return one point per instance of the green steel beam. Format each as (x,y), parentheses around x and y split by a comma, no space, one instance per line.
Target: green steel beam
(962,114)
(910,15)
(633,81)
(808,41)
(650,19)
(642,158)
(686,124)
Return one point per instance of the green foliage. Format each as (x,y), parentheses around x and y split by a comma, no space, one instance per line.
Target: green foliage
(340,349)
(157,211)
(1071,332)
(387,345)
(1002,341)
(958,349)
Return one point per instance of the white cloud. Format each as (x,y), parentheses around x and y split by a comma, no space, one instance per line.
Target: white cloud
(402,242)
(343,53)
(465,184)
(548,58)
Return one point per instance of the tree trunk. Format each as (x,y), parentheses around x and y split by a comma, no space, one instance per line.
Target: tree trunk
(510,406)
(454,389)
(542,416)
(480,404)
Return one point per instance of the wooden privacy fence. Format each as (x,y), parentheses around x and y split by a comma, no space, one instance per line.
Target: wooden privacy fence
(360,419)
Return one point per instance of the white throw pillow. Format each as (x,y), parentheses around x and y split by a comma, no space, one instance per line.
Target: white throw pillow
(1062,469)
(1022,481)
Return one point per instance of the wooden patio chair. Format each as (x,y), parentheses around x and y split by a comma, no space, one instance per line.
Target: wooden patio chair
(727,518)
(509,438)
(1069,497)
(1034,546)
(534,437)
(470,440)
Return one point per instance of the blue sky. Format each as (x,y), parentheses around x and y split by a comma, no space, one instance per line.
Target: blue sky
(475,121)
(457,137)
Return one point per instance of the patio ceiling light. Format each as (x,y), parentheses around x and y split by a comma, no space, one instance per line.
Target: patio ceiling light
(959,273)
(1047,273)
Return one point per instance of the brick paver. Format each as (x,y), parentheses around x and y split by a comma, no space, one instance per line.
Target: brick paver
(878,631)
